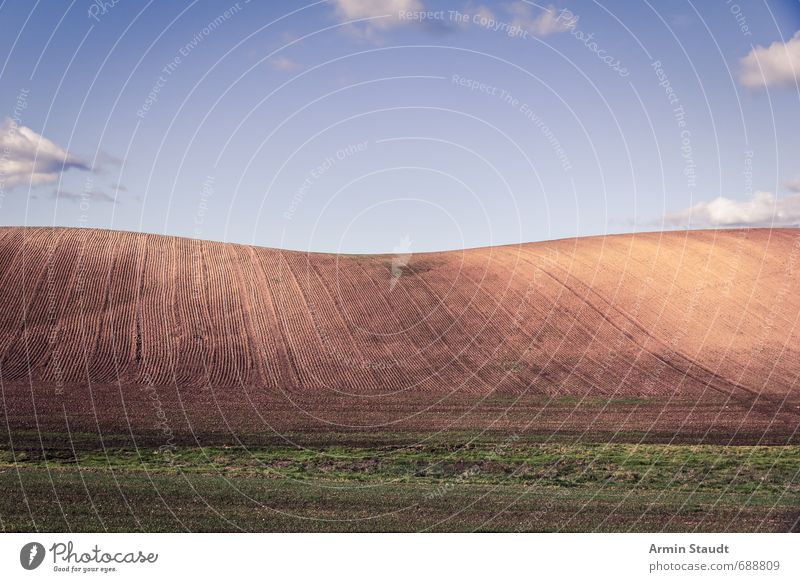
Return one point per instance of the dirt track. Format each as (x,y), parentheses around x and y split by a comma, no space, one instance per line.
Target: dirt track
(671,334)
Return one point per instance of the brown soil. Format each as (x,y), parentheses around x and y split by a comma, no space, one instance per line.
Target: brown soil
(681,335)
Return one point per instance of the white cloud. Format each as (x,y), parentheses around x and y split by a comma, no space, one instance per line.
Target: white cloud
(356,9)
(284,64)
(540,22)
(383,14)
(794,184)
(763,209)
(27,157)
(777,64)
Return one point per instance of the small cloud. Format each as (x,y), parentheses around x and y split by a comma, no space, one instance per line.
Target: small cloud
(483,12)
(29,158)
(775,65)
(763,209)
(540,22)
(382,15)
(387,11)
(284,64)
(119,187)
(794,184)
(96,196)
(103,162)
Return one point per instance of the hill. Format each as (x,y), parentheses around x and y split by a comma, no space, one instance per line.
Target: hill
(105,329)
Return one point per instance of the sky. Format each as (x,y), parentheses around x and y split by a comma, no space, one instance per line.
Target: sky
(399,125)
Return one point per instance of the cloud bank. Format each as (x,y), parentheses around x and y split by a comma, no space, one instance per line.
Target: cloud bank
(763,209)
(27,157)
(386,14)
(775,65)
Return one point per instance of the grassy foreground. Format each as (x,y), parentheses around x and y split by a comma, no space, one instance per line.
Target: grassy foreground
(508,485)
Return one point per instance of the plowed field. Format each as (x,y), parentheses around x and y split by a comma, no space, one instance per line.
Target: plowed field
(665,334)
(133,365)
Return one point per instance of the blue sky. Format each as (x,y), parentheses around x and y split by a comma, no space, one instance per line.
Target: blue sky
(358,126)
